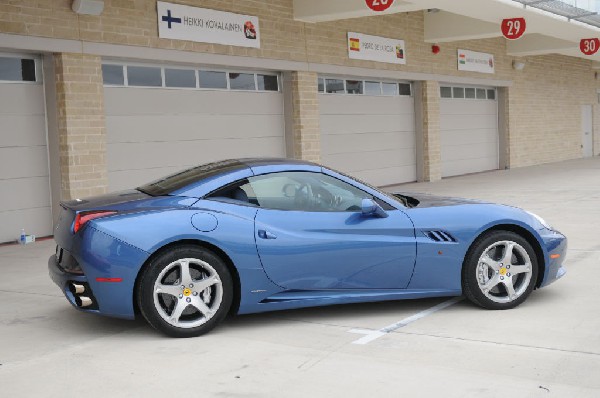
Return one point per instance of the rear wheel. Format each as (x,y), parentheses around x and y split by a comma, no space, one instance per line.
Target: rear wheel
(185,292)
(500,270)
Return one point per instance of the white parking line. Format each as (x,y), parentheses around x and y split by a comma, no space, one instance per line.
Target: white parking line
(371,335)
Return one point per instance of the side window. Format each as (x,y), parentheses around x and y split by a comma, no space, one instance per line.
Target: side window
(299,191)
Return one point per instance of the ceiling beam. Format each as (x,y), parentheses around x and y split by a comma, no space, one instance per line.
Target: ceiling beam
(537,44)
(442,26)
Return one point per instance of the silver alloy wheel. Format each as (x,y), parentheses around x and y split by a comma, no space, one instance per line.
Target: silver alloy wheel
(187,293)
(504,271)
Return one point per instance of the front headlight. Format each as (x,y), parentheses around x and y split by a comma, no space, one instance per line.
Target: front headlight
(541,220)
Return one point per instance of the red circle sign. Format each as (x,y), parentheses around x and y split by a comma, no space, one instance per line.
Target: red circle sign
(513,28)
(379,5)
(589,46)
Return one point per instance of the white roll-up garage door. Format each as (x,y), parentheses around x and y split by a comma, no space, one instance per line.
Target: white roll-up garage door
(156,131)
(468,129)
(24,177)
(368,129)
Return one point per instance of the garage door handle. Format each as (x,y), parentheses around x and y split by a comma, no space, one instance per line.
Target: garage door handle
(265,234)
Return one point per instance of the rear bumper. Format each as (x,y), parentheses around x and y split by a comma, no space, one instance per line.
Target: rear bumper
(110,268)
(64,279)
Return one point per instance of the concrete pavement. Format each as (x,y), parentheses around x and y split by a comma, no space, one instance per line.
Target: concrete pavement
(547,347)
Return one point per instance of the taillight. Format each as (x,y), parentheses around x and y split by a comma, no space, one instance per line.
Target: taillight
(85,216)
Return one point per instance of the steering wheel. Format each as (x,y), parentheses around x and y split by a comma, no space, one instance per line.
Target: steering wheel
(304,198)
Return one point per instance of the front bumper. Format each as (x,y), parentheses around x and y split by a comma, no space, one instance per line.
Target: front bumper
(556,249)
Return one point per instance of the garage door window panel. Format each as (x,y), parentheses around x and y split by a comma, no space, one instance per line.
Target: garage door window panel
(212,79)
(180,78)
(491,94)
(372,88)
(354,86)
(389,89)
(17,69)
(144,76)
(446,92)
(242,81)
(334,86)
(404,89)
(113,75)
(267,82)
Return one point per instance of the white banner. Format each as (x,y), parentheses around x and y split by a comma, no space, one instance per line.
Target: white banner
(180,22)
(375,48)
(475,62)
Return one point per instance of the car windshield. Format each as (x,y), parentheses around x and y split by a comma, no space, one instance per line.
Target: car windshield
(174,182)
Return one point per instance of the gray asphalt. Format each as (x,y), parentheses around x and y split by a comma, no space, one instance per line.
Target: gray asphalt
(548,347)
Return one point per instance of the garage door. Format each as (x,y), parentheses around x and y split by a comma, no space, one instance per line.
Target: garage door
(24,178)
(368,129)
(160,119)
(468,129)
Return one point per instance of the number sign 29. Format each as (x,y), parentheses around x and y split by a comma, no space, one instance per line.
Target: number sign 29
(379,5)
(589,46)
(513,28)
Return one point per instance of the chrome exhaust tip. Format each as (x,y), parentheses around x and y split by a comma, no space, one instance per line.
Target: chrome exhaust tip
(77,289)
(83,301)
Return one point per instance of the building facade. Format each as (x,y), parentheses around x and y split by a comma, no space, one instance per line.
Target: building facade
(97,103)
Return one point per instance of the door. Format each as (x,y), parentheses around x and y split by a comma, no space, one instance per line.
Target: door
(468,130)
(587,140)
(368,130)
(312,235)
(24,176)
(156,131)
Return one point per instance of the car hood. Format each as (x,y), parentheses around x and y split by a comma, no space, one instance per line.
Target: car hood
(422,200)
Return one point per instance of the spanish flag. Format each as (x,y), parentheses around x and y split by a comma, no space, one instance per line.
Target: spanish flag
(354,44)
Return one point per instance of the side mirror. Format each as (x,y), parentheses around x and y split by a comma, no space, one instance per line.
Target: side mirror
(370,208)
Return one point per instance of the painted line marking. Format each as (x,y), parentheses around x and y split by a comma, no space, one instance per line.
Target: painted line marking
(371,335)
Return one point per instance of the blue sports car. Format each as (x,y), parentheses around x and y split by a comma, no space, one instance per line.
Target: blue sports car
(253,235)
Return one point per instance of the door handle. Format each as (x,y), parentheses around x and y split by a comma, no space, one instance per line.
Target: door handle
(265,234)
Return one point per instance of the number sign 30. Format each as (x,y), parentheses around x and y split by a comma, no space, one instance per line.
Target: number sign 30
(589,46)
(513,28)
(379,5)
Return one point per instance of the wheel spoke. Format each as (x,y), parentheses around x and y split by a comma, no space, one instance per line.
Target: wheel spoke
(490,262)
(201,306)
(519,269)
(489,285)
(178,310)
(173,290)
(510,289)
(508,253)
(186,277)
(206,282)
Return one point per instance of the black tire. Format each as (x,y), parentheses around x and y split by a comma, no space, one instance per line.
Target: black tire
(474,276)
(192,322)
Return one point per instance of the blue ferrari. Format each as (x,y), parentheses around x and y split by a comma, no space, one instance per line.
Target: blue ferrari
(252,235)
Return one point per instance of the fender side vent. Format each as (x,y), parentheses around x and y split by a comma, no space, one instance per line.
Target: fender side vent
(439,236)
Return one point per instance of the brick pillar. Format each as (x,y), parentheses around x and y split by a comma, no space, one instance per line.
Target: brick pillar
(81,125)
(303,117)
(429,158)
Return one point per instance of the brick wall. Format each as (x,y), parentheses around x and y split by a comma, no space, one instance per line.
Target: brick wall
(431,145)
(305,116)
(81,125)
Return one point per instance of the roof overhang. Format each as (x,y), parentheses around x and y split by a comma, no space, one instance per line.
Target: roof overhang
(454,20)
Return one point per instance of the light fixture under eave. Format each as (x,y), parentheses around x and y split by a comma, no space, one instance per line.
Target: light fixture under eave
(88,7)
(518,65)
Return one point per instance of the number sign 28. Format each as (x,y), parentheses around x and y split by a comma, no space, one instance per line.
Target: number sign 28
(379,5)
(589,46)
(513,28)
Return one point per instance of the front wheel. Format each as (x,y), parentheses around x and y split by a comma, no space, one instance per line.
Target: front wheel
(500,270)
(185,292)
